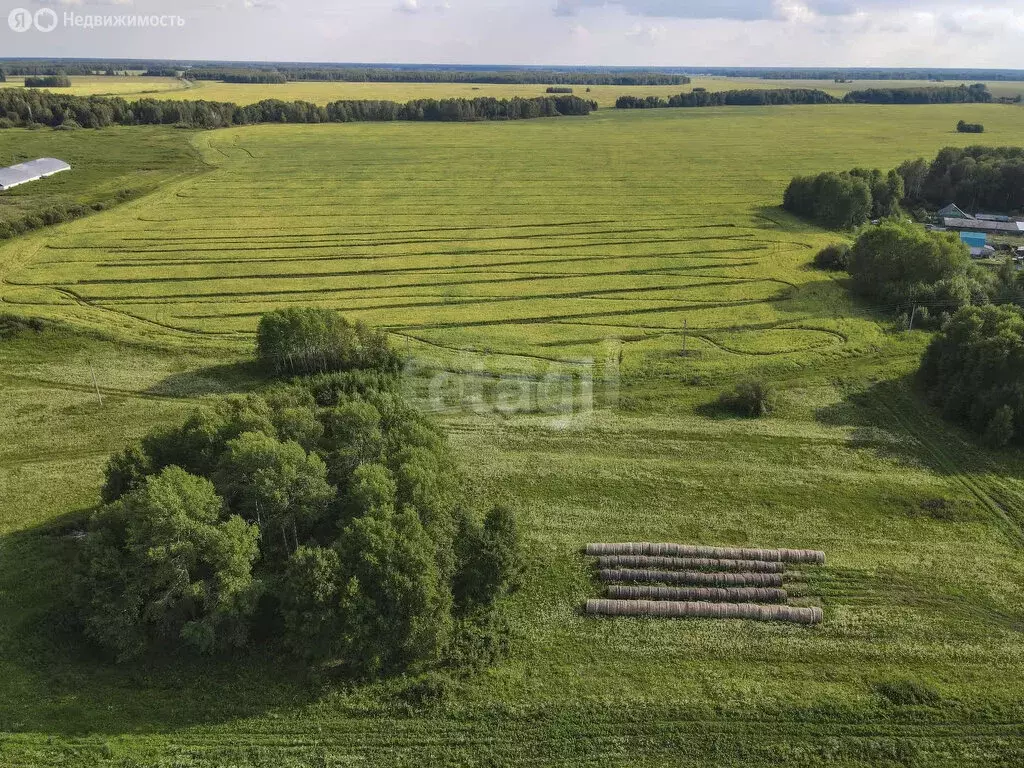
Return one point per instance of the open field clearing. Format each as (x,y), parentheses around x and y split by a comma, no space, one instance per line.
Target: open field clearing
(109,166)
(324,92)
(513,246)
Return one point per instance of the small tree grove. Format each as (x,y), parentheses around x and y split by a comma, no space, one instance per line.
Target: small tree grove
(326,513)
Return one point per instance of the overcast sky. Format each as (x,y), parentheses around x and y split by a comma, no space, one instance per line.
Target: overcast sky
(893,33)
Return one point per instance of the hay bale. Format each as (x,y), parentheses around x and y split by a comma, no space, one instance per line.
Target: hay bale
(693,578)
(646,562)
(704,610)
(698,594)
(718,553)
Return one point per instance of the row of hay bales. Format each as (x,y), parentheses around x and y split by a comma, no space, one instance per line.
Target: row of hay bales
(681,580)
(809,556)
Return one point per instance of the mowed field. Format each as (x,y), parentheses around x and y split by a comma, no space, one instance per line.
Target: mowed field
(324,92)
(515,247)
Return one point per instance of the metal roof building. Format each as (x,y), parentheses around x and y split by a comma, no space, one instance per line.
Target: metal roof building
(32,170)
(953,212)
(976,225)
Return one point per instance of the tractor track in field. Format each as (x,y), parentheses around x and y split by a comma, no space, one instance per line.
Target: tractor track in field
(911,425)
(87,389)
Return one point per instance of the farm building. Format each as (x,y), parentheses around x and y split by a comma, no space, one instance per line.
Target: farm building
(991,227)
(974,239)
(953,212)
(32,170)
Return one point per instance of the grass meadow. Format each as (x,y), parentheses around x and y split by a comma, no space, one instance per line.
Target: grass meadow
(134,87)
(620,238)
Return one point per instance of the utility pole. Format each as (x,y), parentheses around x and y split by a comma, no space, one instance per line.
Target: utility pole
(95,385)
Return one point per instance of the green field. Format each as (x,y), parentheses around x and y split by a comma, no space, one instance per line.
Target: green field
(514,247)
(109,166)
(325,92)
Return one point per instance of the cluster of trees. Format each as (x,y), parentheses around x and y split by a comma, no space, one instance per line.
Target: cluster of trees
(975,178)
(3,77)
(960,94)
(899,264)
(700,97)
(974,371)
(48,81)
(505,76)
(309,341)
(21,107)
(920,276)
(964,127)
(844,200)
(559,89)
(327,515)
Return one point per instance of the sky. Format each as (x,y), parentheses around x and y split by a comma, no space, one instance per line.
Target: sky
(811,33)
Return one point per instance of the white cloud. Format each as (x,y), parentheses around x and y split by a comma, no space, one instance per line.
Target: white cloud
(925,33)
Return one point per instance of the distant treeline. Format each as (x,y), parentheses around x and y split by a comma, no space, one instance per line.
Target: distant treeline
(960,94)
(699,97)
(936,75)
(386,75)
(48,81)
(27,107)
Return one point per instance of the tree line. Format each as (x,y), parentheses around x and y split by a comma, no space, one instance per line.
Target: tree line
(20,107)
(700,97)
(960,94)
(975,178)
(283,74)
(326,516)
(860,73)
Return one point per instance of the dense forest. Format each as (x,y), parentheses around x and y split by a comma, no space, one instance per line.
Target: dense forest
(20,108)
(325,516)
(975,178)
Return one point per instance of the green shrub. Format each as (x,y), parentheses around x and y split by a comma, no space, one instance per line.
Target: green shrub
(833,258)
(753,398)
